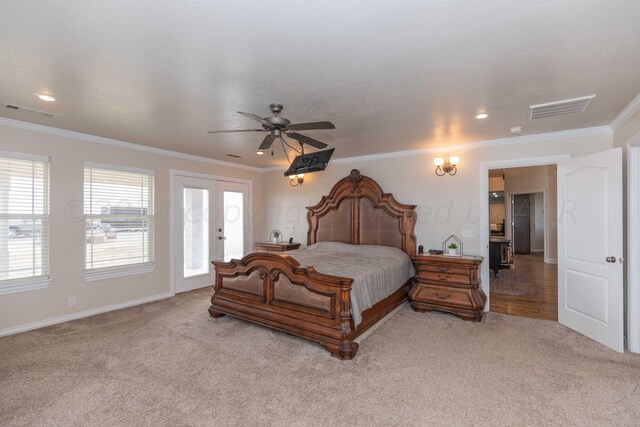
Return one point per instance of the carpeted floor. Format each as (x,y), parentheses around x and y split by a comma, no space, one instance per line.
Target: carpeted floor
(169,363)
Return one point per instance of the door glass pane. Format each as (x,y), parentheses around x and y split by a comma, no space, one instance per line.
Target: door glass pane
(233,225)
(196,231)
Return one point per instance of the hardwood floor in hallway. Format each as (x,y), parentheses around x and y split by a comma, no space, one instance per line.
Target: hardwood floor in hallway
(529,289)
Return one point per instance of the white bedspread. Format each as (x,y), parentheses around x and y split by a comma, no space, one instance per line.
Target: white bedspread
(378,271)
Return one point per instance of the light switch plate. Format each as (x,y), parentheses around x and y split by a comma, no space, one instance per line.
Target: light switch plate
(469,233)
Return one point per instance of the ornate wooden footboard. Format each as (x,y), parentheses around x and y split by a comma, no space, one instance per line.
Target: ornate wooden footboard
(274,291)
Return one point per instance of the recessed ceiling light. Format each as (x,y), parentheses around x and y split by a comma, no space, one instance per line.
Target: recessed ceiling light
(45,97)
(481,116)
(259,152)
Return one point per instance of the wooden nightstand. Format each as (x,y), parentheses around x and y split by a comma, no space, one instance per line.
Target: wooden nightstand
(275,247)
(448,283)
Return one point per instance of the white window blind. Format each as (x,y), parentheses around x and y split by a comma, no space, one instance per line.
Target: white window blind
(119,218)
(24,220)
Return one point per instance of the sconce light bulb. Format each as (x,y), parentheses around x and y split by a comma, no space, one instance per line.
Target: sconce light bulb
(438,161)
(454,160)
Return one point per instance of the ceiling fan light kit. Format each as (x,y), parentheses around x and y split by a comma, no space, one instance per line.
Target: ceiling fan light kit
(296,180)
(278,127)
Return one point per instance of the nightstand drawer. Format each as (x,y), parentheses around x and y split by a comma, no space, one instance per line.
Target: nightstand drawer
(432,276)
(448,284)
(443,296)
(439,268)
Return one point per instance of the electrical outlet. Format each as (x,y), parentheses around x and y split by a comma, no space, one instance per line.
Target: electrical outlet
(470,233)
(71,302)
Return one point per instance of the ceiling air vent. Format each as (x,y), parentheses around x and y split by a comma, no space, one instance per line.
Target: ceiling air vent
(560,108)
(235,156)
(29,110)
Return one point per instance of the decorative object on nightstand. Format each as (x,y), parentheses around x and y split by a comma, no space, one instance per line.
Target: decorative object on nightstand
(453,249)
(450,246)
(275,235)
(276,247)
(448,284)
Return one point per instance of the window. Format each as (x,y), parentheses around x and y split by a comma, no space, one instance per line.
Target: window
(119,220)
(24,223)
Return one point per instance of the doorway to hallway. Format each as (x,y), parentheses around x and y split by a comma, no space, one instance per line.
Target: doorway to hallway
(523,242)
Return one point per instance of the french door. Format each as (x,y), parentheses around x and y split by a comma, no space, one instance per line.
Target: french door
(210,222)
(231,220)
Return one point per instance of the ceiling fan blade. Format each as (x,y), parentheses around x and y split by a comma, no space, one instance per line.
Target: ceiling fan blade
(306,140)
(236,130)
(312,126)
(266,142)
(256,118)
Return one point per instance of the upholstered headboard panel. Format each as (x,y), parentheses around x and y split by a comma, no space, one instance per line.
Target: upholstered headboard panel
(357,211)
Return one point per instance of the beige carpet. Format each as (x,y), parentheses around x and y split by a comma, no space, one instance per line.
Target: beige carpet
(169,363)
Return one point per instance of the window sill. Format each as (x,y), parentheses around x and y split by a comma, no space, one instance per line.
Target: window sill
(120,272)
(24,286)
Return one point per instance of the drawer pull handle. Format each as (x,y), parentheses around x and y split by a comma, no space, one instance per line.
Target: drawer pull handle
(443,269)
(441,277)
(440,296)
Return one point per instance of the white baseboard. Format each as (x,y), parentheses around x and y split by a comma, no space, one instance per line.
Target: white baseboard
(80,314)
(550,261)
(537,250)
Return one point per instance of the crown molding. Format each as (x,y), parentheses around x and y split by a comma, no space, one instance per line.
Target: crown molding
(634,141)
(624,115)
(514,140)
(539,137)
(120,144)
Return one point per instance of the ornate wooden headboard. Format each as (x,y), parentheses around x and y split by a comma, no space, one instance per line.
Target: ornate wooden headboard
(356,211)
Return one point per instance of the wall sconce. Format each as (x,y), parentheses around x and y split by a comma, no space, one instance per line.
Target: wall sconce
(296,180)
(444,166)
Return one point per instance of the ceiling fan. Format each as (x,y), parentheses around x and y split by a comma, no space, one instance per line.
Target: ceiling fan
(278,126)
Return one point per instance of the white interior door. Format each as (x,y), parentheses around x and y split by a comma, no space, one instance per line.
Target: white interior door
(194,233)
(590,274)
(232,221)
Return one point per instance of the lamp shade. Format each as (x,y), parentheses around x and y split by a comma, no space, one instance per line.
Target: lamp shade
(438,161)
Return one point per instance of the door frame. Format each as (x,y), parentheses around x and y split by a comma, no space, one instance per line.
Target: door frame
(484,207)
(173,256)
(633,244)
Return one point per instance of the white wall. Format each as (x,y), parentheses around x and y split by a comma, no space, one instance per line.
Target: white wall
(537,222)
(446,205)
(68,229)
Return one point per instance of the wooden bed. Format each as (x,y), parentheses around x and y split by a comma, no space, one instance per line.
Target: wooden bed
(273,290)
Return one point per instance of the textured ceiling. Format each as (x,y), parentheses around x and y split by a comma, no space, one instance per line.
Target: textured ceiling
(392,75)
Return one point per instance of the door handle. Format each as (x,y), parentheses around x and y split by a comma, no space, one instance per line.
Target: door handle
(222,237)
(611,259)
